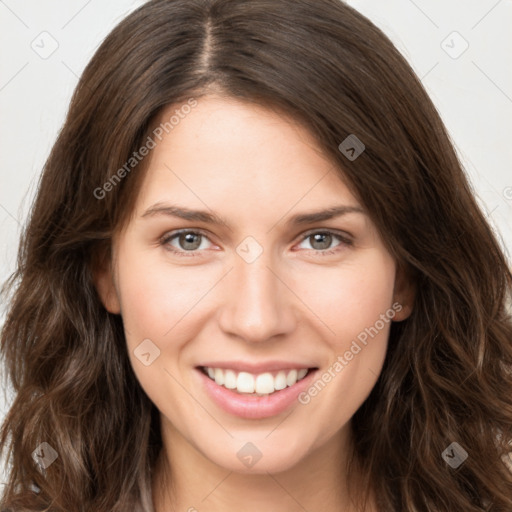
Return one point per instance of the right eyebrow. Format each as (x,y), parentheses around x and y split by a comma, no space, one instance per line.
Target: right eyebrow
(183,213)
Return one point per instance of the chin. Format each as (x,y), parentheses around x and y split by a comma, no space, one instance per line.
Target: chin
(258,456)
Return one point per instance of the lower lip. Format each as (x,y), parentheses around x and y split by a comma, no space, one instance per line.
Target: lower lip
(255,407)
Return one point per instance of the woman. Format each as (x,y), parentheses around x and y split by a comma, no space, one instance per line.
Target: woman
(255,276)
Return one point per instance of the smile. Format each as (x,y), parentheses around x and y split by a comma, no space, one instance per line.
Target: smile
(262,384)
(254,391)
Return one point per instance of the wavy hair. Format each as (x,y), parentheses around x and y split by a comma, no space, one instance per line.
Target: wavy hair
(447,374)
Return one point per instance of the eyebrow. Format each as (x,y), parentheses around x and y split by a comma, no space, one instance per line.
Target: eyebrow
(212,218)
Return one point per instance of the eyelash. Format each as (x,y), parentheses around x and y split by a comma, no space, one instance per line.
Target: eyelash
(344,241)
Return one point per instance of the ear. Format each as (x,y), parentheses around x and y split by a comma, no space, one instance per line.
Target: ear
(103,277)
(404,293)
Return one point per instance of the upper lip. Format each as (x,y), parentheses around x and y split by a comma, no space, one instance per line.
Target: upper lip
(255,368)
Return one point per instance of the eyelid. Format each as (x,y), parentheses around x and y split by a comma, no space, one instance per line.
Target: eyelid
(342,235)
(170,235)
(175,232)
(345,242)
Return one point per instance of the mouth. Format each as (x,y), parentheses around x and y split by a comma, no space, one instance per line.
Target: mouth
(261,384)
(254,392)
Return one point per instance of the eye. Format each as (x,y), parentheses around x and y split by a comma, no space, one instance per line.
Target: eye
(185,241)
(190,243)
(322,241)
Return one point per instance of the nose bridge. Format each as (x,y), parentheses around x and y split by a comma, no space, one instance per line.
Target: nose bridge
(256,307)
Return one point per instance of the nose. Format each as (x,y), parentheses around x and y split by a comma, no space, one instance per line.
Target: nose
(258,305)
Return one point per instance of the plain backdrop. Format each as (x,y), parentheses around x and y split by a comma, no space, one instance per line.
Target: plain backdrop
(459,49)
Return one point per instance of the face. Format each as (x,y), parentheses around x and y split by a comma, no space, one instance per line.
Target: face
(255,292)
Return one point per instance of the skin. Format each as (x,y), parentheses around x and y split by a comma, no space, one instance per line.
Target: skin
(256,169)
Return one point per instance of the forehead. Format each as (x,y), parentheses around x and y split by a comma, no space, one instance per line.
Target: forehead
(228,155)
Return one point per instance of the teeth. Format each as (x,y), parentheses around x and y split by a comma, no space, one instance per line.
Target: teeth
(229,379)
(280,381)
(261,385)
(291,378)
(244,383)
(301,373)
(265,384)
(219,376)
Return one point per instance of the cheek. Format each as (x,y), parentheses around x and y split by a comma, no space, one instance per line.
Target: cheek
(350,298)
(356,303)
(156,298)
(161,304)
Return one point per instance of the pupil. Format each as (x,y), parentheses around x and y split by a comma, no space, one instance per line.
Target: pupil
(322,240)
(190,241)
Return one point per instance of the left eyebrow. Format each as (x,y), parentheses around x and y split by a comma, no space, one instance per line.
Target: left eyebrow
(319,216)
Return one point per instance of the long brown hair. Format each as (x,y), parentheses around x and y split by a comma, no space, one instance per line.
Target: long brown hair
(447,376)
